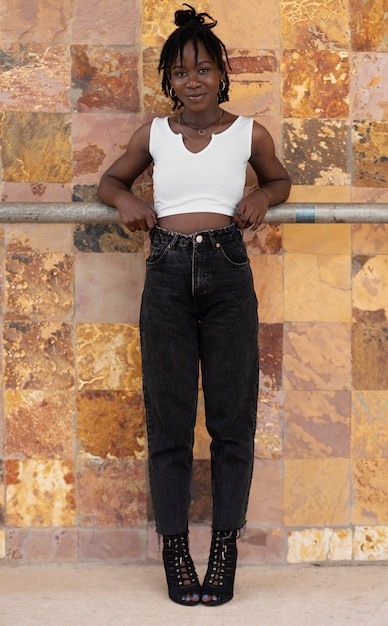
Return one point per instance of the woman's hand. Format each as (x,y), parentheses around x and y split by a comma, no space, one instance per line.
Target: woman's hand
(252,209)
(134,213)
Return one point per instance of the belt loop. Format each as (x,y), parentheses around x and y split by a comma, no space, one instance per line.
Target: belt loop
(173,241)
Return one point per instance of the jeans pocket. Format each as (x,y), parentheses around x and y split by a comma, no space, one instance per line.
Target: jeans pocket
(157,252)
(235,252)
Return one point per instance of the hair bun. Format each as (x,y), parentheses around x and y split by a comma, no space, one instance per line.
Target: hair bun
(184,16)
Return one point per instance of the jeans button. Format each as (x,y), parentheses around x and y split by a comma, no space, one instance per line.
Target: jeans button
(199,239)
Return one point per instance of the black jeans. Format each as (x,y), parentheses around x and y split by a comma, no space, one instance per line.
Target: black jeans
(199,307)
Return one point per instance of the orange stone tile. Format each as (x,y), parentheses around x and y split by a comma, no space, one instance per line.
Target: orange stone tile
(40,493)
(270,356)
(107,238)
(39,286)
(237,23)
(267,273)
(317,424)
(371,239)
(370,424)
(327,239)
(105,78)
(369,288)
(202,439)
(369,25)
(316,492)
(312,194)
(158,19)
(370,491)
(38,356)
(369,355)
(39,424)
(111,424)
(111,493)
(317,356)
(269,428)
(319,25)
(315,84)
(120,277)
(370,161)
(35,77)
(267,239)
(108,357)
(26,135)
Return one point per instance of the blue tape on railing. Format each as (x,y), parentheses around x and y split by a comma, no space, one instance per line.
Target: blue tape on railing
(304,213)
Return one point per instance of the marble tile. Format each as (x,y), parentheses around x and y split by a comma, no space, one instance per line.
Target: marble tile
(369,25)
(105,78)
(39,424)
(40,493)
(269,427)
(321,25)
(267,239)
(26,135)
(322,162)
(317,288)
(34,77)
(317,356)
(265,506)
(371,543)
(108,357)
(369,195)
(314,545)
(262,546)
(44,545)
(316,492)
(201,493)
(237,24)
(107,238)
(115,545)
(370,162)
(158,19)
(317,238)
(315,84)
(38,355)
(369,89)
(36,192)
(267,270)
(369,355)
(370,491)
(32,238)
(111,424)
(120,25)
(111,493)
(39,286)
(43,21)
(369,288)
(369,424)
(317,424)
(370,239)
(2,544)
(270,356)
(118,278)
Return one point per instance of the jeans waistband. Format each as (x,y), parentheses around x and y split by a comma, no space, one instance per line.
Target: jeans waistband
(218,235)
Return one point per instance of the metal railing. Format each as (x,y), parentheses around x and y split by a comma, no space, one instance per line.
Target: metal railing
(95,212)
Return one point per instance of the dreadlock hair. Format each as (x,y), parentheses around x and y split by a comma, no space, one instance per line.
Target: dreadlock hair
(192,26)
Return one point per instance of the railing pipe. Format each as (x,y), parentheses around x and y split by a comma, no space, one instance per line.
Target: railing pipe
(95,212)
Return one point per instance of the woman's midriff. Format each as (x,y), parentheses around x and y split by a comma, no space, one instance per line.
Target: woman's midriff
(189,223)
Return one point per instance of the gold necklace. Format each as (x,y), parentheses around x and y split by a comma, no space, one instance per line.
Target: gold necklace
(200,131)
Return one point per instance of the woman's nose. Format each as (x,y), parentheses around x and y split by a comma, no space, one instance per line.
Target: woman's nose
(193,79)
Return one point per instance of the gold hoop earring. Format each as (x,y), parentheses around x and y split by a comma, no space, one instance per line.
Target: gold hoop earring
(172,93)
(222,86)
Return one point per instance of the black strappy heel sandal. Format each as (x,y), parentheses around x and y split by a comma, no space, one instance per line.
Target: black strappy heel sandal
(218,584)
(182,580)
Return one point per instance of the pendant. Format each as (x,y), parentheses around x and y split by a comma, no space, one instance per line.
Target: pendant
(201,131)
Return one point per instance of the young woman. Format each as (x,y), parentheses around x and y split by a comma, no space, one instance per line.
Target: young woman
(199,308)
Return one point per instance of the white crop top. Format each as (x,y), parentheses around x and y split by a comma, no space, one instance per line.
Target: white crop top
(209,181)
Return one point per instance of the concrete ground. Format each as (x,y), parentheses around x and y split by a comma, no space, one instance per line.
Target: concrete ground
(293,595)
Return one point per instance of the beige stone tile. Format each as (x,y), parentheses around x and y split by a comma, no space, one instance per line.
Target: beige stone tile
(316,492)
(39,424)
(317,356)
(267,239)
(2,544)
(44,21)
(267,275)
(119,25)
(265,506)
(43,545)
(370,491)
(319,25)
(158,19)
(369,195)
(314,544)
(369,424)
(312,194)
(371,543)
(40,493)
(111,424)
(370,239)
(369,89)
(117,545)
(32,238)
(262,546)
(108,287)
(370,165)
(317,424)
(36,192)
(317,238)
(317,288)
(269,428)
(370,288)
(108,356)
(237,25)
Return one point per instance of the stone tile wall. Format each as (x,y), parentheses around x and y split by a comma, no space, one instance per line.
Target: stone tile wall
(76,79)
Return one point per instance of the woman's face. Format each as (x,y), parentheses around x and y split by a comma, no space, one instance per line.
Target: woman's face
(195,80)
